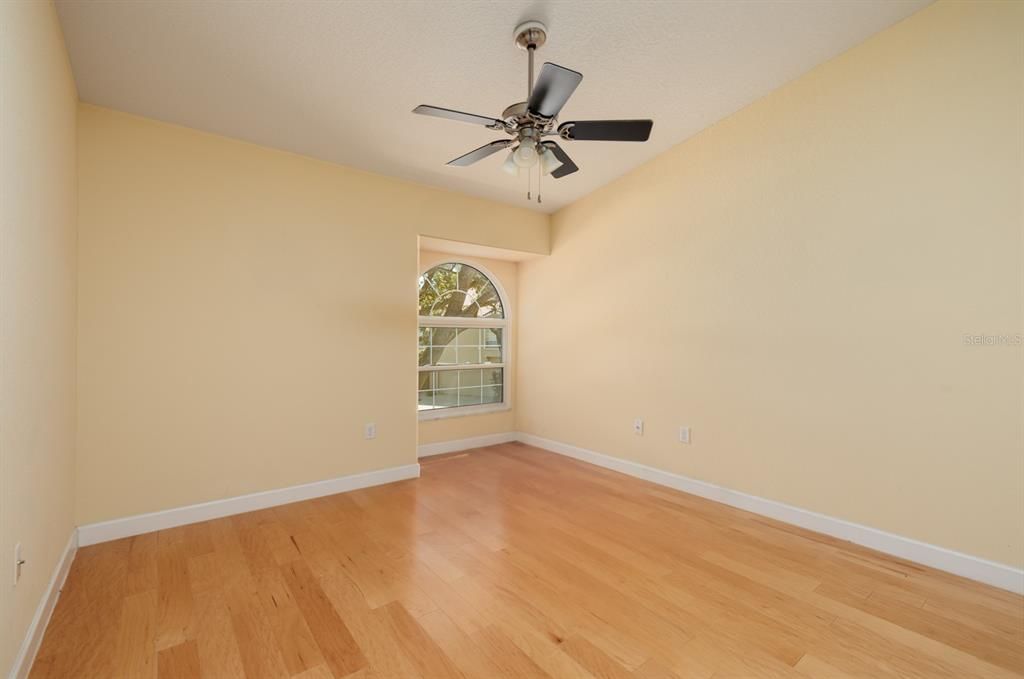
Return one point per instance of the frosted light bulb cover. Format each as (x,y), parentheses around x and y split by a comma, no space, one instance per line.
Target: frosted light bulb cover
(510,166)
(548,162)
(525,155)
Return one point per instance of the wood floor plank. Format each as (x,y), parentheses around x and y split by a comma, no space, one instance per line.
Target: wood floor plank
(371,632)
(655,669)
(417,645)
(509,562)
(136,641)
(94,590)
(260,656)
(458,646)
(339,649)
(593,658)
(216,644)
(295,641)
(813,668)
(175,593)
(324,672)
(142,573)
(179,662)
(506,655)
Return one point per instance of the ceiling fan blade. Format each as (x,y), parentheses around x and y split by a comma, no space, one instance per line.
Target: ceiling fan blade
(553,88)
(481,153)
(607,130)
(567,166)
(471,118)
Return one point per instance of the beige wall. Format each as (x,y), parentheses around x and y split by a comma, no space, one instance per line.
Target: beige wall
(794,284)
(468,426)
(243,312)
(37,308)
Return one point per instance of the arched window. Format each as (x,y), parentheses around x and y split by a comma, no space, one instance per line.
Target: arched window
(462,341)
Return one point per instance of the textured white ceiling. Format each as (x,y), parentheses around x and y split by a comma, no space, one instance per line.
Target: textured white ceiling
(337,80)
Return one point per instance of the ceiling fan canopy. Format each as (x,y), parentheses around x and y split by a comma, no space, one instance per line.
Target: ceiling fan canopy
(531,124)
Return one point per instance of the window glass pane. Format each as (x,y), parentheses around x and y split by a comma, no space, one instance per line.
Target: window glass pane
(469,396)
(446,379)
(469,337)
(453,388)
(490,303)
(443,346)
(425,337)
(446,398)
(434,286)
(469,354)
(459,346)
(454,289)
(490,337)
(443,356)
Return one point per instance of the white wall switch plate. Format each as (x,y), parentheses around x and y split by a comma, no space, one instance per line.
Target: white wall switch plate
(684,434)
(638,427)
(370,431)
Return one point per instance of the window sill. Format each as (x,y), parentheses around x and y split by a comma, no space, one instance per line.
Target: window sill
(465,411)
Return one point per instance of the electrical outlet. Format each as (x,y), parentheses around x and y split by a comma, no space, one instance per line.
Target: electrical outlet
(684,434)
(18,563)
(638,427)
(370,431)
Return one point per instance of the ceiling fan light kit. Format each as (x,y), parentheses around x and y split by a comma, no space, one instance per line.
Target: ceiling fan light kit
(530,122)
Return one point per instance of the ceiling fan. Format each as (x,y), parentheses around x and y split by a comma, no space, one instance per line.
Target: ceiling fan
(531,122)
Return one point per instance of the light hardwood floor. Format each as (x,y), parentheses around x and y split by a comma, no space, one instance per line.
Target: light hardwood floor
(513,562)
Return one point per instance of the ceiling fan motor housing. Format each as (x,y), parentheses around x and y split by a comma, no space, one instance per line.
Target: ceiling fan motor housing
(522,126)
(518,121)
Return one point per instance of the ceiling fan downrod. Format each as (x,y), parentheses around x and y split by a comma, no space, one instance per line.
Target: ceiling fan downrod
(530,35)
(529,71)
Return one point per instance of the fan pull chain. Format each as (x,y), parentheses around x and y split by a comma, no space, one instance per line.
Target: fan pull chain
(529,178)
(539,173)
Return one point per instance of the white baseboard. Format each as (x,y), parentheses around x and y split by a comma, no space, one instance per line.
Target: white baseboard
(34,634)
(179,516)
(428,449)
(982,570)
(974,568)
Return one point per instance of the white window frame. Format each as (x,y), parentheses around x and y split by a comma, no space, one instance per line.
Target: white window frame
(462,322)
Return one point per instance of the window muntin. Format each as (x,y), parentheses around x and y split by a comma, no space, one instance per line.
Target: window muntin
(462,340)
(450,346)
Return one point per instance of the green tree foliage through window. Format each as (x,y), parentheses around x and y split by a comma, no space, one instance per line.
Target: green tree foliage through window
(455,289)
